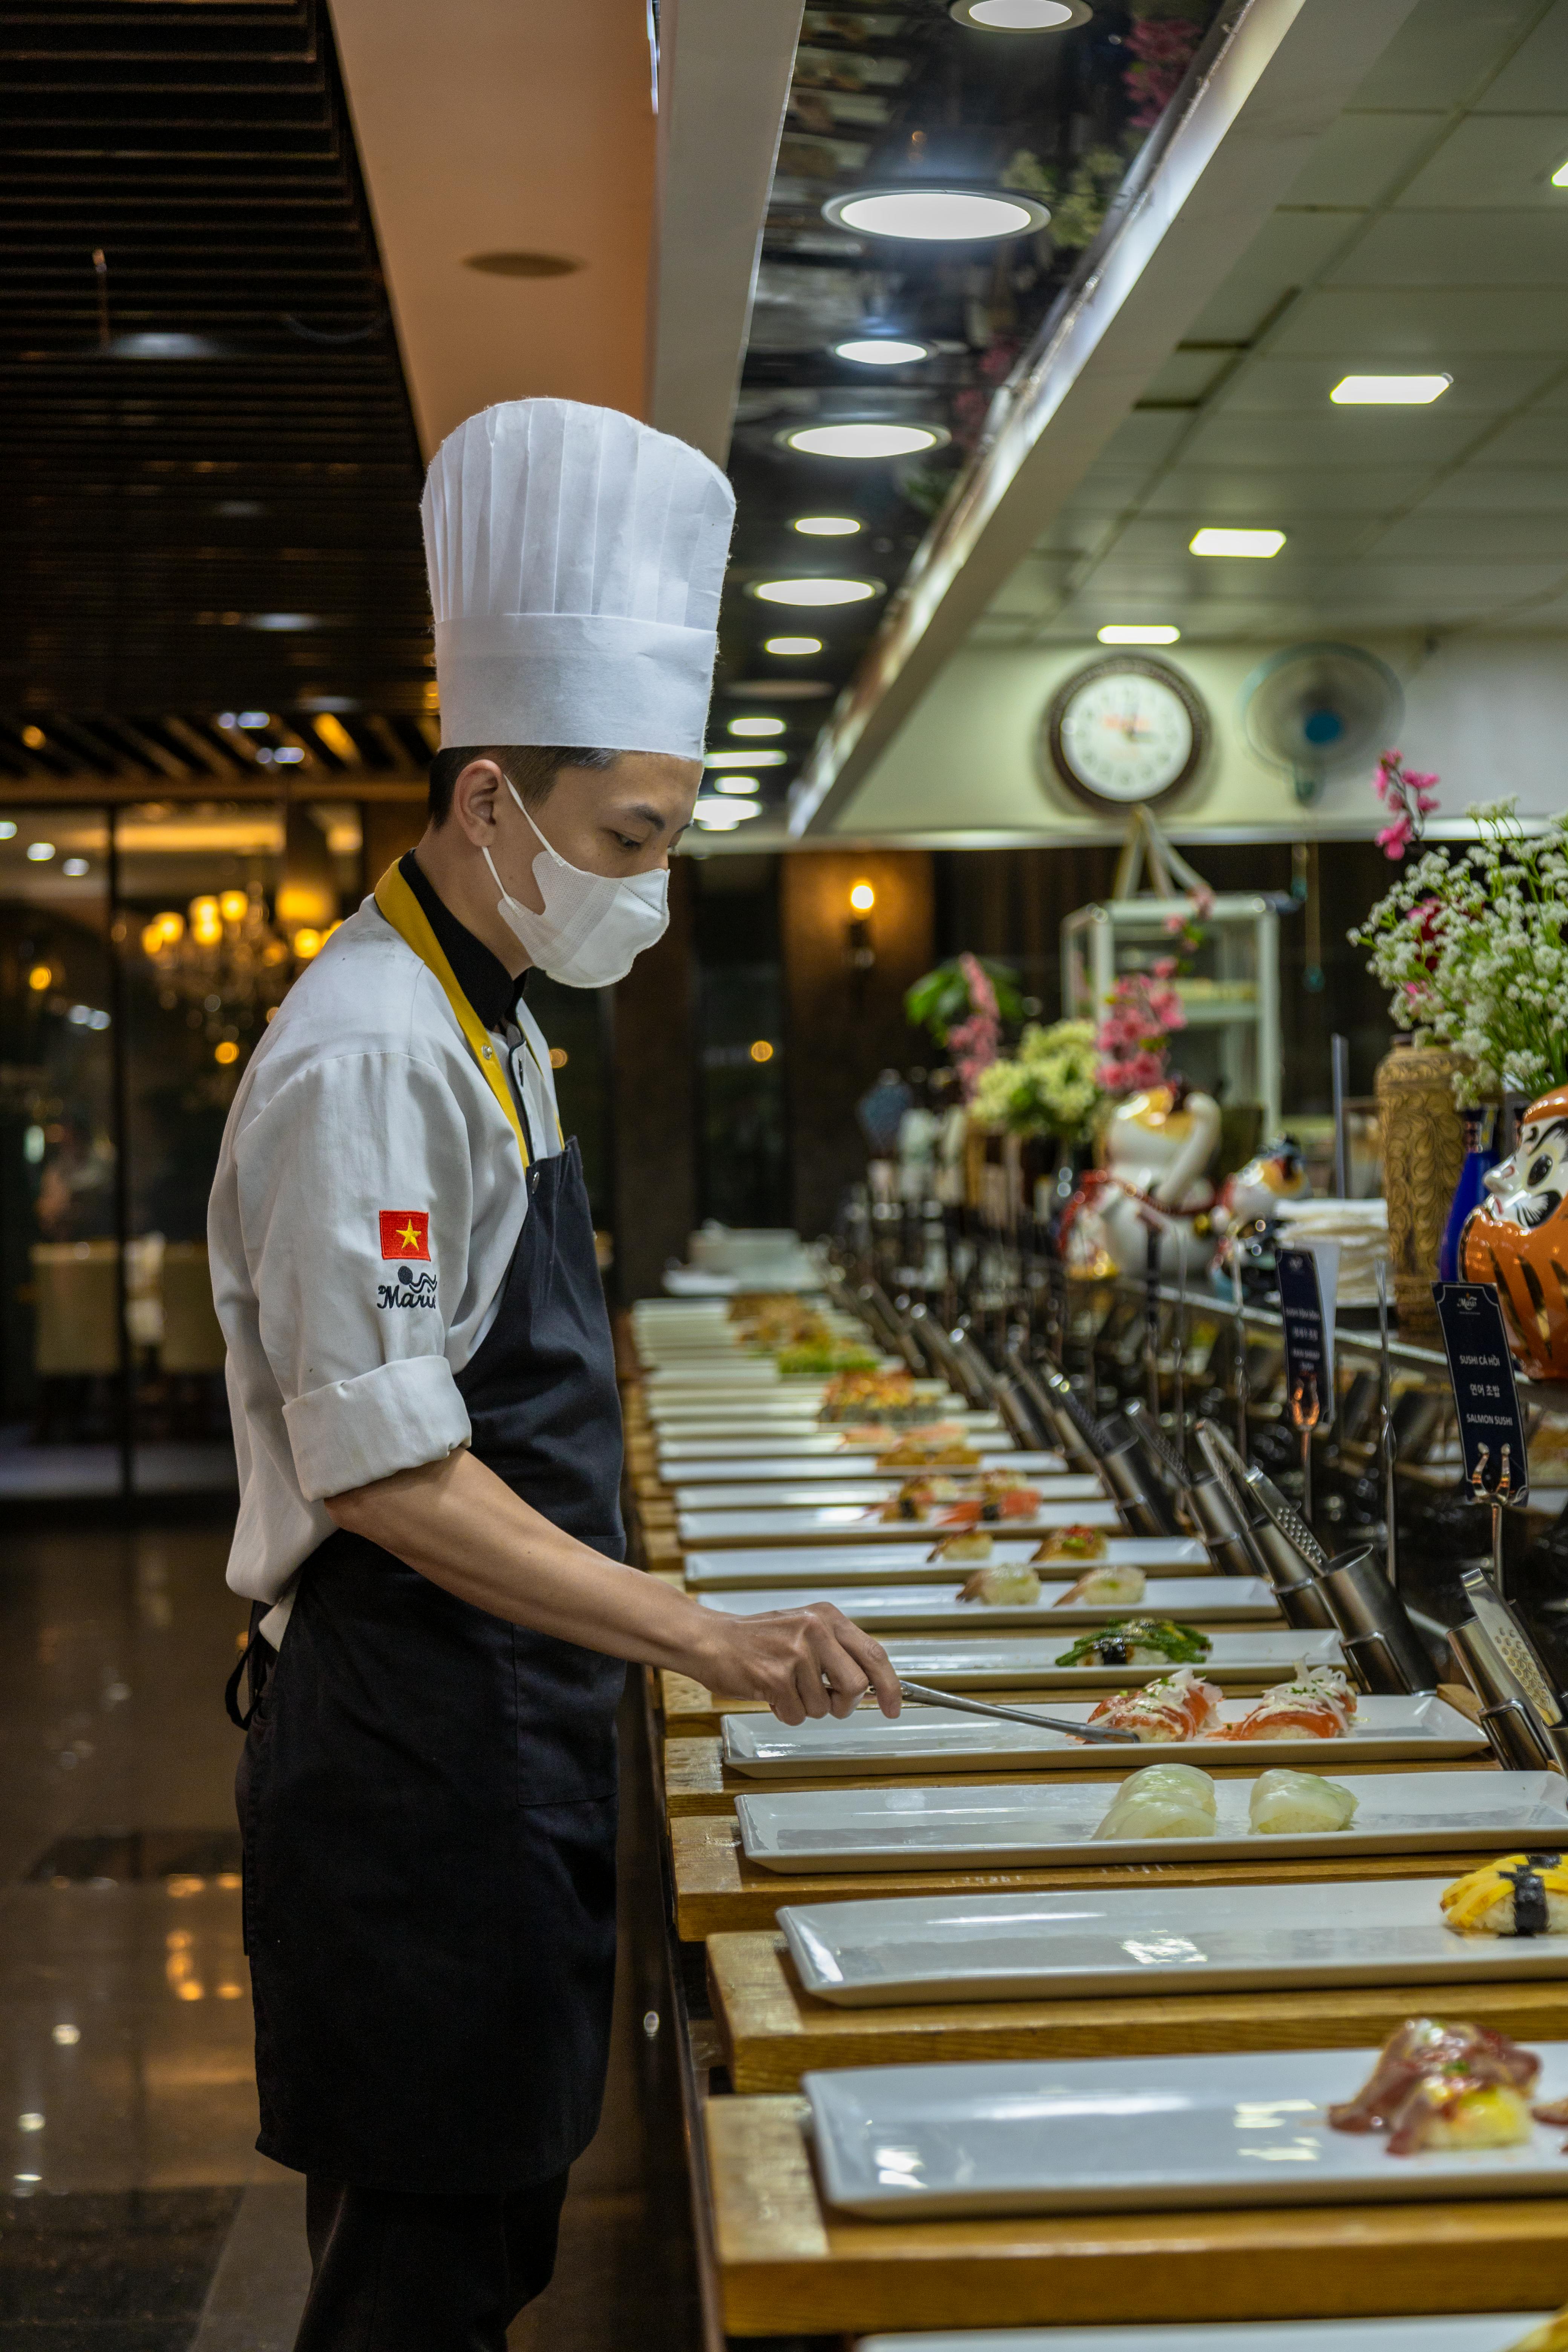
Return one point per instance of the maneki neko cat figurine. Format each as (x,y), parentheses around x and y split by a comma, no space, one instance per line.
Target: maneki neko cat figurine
(1157,1145)
(1518,1238)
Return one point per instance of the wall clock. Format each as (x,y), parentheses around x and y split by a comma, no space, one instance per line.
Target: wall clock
(1125,732)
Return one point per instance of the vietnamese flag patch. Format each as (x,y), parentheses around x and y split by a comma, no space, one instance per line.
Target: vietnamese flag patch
(405,1233)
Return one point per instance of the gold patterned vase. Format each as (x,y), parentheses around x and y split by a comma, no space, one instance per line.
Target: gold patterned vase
(1423,1152)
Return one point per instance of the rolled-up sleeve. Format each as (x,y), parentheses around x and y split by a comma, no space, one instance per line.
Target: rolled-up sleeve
(355,1199)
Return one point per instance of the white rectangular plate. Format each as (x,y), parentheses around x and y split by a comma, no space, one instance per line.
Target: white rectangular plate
(1389,1730)
(896,1563)
(760,1489)
(914,1607)
(1021,1662)
(1491,2331)
(1021,1826)
(1139,2135)
(847,1523)
(1153,1939)
(814,1443)
(756,1462)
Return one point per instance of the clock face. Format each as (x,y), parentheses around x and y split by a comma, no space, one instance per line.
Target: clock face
(1125,732)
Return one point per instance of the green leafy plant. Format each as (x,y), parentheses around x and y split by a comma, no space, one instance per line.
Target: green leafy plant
(942,999)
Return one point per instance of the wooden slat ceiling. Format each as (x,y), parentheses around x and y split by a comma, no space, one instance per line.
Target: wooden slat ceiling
(224,522)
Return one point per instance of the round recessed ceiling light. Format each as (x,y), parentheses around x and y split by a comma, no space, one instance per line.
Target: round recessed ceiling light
(816,592)
(1020,15)
(863,440)
(791,645)
(756,727)
(935,215)
(882,351)
(826,526)
(521,264)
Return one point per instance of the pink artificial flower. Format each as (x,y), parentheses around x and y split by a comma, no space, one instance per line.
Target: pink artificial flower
(982,995)
(1412,798)
(1166,968)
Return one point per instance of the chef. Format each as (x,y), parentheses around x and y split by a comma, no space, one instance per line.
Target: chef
(427,1421)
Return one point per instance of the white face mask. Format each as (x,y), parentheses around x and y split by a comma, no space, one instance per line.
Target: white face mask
(594,926)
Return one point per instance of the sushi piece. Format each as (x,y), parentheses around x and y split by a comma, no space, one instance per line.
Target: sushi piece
(1014,1586)
(1440,2085)
(1298,1804)
(971,1543)
(1176,1706)
(1140,1642)
(1319,1705)
(1516,1894)
(1460,2111)
(1162,1800)
(1124,1586)
(1077,1542)
(913,1501)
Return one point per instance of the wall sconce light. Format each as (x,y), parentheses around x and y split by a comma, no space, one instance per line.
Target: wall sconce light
(857,931)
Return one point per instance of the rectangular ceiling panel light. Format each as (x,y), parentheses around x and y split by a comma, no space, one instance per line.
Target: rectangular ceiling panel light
(1389,390)
(1138,633)
(1236,542)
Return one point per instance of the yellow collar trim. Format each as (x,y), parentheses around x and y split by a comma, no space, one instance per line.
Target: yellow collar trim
(409,920)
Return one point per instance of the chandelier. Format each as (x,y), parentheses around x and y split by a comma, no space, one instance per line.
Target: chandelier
(228,963)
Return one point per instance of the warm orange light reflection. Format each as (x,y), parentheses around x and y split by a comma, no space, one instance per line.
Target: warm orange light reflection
(226,1051)
(761,1051)
(307,942)
(232,906)
(862,897)
(40,978)
(558,1057)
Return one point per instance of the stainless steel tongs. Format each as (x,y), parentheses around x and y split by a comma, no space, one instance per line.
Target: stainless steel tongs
(924,1696)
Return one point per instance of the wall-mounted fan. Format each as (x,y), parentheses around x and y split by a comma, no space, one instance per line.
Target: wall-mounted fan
(1314,711)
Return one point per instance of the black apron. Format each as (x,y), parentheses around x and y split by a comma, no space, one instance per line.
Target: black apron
(428,1799)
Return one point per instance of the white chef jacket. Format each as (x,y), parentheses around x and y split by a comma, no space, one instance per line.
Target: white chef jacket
(368,1200)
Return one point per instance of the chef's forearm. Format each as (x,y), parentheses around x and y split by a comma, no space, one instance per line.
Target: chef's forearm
(462,1527)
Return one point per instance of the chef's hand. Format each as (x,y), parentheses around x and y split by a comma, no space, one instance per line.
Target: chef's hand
(802,1661)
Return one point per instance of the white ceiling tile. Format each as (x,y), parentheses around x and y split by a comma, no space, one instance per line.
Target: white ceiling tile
(1315,537)
(1443,50)
(1187,375)
(1464,583)
(1553,401)
(1332,436)
(1435,325)
(1144,440)
(1539,64)
(1493,161)
(1482,386)
(1501,489)
(1537,439)
(1360,156)
(1289,492)
(1461,248)
(1509,533)
(1289,250)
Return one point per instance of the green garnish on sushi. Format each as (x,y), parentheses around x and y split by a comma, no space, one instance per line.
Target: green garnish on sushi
(1139,1640)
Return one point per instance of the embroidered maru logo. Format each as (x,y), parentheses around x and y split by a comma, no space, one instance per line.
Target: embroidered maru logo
(410,1289)
(405,1233)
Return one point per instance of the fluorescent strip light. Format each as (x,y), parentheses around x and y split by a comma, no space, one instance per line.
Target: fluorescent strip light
(1388,391)
(826,526)
(756,727)
(1559,177)
(736,784)
(1236,542)
(1138,633)
(792,645)
(743,759)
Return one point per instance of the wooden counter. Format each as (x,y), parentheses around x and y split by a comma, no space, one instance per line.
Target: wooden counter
(773,2032)
(785,2266)
(717,1889)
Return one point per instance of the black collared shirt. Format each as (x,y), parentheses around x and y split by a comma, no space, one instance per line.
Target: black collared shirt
(481,975)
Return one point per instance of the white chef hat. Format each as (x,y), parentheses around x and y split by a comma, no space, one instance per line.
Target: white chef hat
(576,558)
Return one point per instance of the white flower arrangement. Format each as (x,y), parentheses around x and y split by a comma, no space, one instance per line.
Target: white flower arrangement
(1048,1087)
(1474,952)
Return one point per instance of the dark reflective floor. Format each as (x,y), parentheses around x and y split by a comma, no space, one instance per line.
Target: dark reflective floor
(135,2215)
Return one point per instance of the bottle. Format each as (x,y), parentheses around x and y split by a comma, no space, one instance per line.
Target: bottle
(1480,1153)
